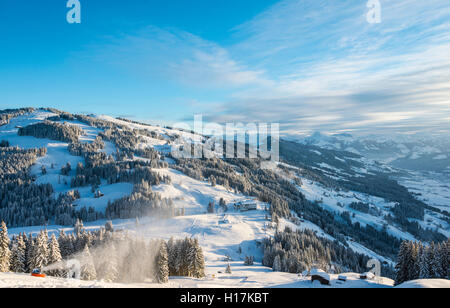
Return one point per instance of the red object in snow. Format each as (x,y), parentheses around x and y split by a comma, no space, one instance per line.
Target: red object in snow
(38,273)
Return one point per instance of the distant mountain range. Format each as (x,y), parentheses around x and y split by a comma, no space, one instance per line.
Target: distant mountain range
(419,152)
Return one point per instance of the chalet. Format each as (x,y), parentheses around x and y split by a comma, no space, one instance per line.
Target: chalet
(367,276)
(245,206)
(321,276)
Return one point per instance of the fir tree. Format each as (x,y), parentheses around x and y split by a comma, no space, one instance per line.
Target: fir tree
(39,257)
(172,255)
(88,271)
(54,255)
(78,228)
(18,261)
(228,269)
(5,253)
(401,268)
(162,263)
(423,267)
(29,252)
(277,264)
(413,269)
(211,208)
(198,262)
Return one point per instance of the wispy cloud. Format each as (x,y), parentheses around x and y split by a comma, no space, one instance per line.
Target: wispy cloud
(331,64)
(179,56)
(311,65)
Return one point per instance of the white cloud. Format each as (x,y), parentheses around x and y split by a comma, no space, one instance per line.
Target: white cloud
(178,56)
(325,59)
(313,64)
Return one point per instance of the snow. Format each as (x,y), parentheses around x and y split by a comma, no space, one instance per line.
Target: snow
(241,277)
(321,273)
(339,201)
(425,284)
(111,192)
(192,194)
(433,188)
(219,234)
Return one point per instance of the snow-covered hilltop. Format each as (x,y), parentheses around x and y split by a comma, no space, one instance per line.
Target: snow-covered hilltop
(57,168)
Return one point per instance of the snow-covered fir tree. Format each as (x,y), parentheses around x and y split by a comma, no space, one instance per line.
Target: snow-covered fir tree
(417,261)
(5,253)
(54,255)
(78,227)
(172,253)
(39,257)
(30,242)
(162,264)
(88,271)
(18,257)
(196,260)
(277,264)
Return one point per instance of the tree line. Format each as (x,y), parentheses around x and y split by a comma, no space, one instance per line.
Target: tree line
(298,251)
(105,255)
(419,261)
(52,130)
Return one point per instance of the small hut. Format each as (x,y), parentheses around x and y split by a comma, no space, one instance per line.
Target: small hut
(342,278)
(367,276)
(321,276)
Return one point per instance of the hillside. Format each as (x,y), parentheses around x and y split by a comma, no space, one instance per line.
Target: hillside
(95,163)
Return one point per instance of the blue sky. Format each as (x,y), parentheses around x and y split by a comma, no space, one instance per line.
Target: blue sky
(307,64)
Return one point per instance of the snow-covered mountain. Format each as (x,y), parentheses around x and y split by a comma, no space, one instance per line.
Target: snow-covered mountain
(325,184)
(419,152)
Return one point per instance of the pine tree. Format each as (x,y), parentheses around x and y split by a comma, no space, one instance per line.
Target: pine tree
(29,252)
(401,268)
(162,264)
(54,255)
(5,253)
(228,269)
(78,228)
(181,252)
(444,254)
(429,261)
(39,257)
(18,261)
(88,271)
(412,265)
(211,208)
(436,265)
(172,256)
(424,272)
(277,264)
(198,261)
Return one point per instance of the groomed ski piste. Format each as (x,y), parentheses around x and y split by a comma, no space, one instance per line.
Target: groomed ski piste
(234,233)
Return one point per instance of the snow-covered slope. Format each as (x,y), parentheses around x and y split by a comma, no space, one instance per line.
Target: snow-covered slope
(425,284)
(240,278)
(420,152)
(234,233)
